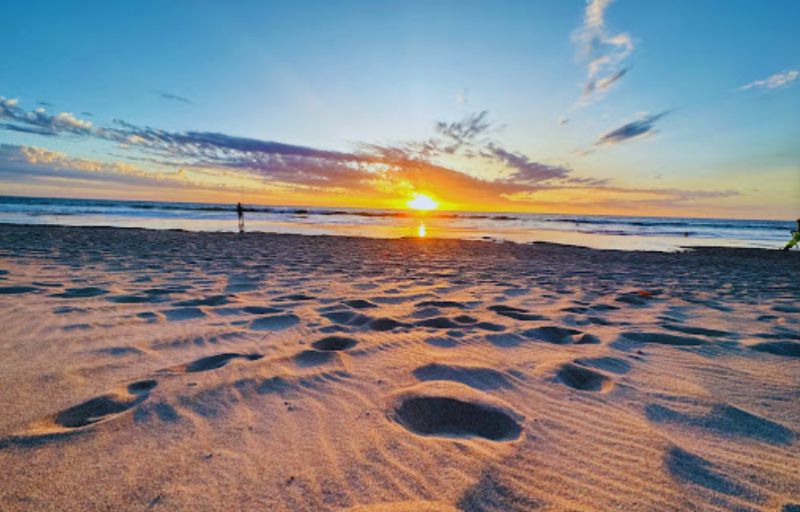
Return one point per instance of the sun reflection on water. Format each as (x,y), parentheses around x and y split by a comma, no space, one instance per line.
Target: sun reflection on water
(421,231)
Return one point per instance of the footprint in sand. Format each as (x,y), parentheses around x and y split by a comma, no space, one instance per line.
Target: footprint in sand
(17,290)
(690,468)
(324,351)
(181,314)
(214,300)
(583,378)
(385,324)
(81,293)
(440,304)
(725,420)
(452,410)
(606,363)
(551,334)
(85,414)
(214,362)
(516,313)
(700,331)
(274,322)
(473,376)
(360,304)
(296,297)
(334,343)
(779,348)
(404,506)
(660,338)
(309,358)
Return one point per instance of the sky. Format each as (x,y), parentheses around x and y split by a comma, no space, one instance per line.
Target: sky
(664,107)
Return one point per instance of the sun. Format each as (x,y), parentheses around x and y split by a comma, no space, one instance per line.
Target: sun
(422,202)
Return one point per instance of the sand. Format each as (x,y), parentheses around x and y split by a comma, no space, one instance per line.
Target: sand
(164,370)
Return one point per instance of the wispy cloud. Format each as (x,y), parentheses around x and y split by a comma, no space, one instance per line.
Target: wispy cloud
(174,97)
(784,79)
(202,160)
(603,52)
(643,127)
(39,121)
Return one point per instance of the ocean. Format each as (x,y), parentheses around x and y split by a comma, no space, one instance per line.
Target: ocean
(604,232)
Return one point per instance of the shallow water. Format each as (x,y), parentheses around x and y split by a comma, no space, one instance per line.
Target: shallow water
(606,232)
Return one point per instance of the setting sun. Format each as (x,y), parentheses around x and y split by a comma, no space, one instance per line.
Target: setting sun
(422,202)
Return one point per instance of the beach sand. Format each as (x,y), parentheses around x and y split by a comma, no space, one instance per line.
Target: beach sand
(164,370)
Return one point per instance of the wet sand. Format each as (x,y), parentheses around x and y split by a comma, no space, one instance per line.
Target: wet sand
(166,370)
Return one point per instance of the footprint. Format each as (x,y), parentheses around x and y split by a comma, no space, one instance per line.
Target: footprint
(360,304)
(702,331)
(309,358)
(347,318)
(691,468)
(664,339)
(261,310)
(440,304)
(725,420)
(454,417)
(551,334)
(607,363)
(81,293)
(205,364)
(78,417)
(779,348)
(404,506)
(506,340)
(516,313)
(274,322)
(439,322)
(214,300)
(16,290)
(582,378)
(296,297)
(474,377)
(181,314)
(385,324)
(104,407)
(135,299)
(334,343)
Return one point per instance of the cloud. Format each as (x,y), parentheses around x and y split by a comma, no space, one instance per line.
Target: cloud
(38,121)
(462,97)
(604,53)
(775,81)
(174,97)
(212,161)
(602,84)
(466,131)
(640,128)
(526,170)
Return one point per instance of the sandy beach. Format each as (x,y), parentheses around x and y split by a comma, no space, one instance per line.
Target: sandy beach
(167,370)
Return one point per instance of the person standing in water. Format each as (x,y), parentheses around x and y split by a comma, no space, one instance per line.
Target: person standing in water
(795,238)
(240,213)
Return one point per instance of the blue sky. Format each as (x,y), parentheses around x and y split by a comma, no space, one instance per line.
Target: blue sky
(371,80)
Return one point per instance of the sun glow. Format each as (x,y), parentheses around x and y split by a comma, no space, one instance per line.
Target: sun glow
(421,202)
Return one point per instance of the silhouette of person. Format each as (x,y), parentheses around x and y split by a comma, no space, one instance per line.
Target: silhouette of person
(240,213)
(795,238)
